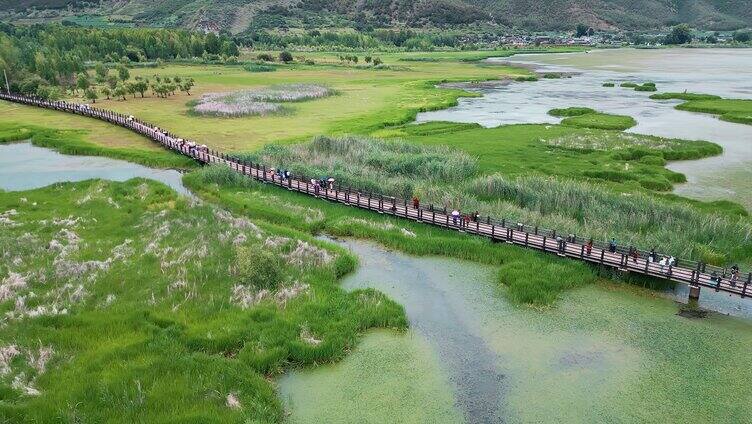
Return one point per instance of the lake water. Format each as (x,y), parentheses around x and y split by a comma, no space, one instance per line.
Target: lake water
(24,166)
(724,72)
(603,353)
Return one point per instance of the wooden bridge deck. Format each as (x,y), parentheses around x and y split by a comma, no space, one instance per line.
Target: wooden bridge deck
(693,273)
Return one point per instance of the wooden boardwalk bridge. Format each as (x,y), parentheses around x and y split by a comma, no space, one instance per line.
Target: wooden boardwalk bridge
(696,274)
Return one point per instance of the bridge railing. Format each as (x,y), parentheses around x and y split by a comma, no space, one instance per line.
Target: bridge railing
(210,156)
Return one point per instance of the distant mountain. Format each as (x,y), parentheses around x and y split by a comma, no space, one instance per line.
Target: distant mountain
(240,15)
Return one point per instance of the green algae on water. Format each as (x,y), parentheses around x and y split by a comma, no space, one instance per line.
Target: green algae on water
(389,378)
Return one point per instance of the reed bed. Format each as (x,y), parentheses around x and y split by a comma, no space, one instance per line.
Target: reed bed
(633,218)
(446,177)
(261,101)
(389,167)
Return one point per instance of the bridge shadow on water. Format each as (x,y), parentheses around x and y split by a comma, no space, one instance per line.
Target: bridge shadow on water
(424,287)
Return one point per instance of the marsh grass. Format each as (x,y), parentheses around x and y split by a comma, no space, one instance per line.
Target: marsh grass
(154,333)
(731,110)
(628,146)
(684,96)
(391,167)
(261,101)
(408,236)
(634,219)
(447,177)
(596,120)
(571,111)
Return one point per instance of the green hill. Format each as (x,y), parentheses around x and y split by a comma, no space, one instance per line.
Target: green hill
(240,15)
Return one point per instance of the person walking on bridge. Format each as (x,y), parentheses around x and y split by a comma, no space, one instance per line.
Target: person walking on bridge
(589,247)
(416,202)
(734,274)
(612,245)
(455,216)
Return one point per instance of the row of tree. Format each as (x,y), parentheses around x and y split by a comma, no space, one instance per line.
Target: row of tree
(52,56)
(120,85)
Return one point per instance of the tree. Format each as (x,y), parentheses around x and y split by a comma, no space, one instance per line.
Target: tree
(367,59)
(680,34)
(742,36)
(120,91)
(285,56)
(187,85)
(82,81)
(130,87)
(112,81)
(123,73)
(211,43)
(91,94)
(582,30)
(140,86)
(266,57)
(197,47)
(377,61)
(106,92)
(101,72)
(230,49)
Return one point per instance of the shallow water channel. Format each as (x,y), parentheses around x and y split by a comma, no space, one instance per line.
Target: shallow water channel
(711,71)
(604,353)
(24,166)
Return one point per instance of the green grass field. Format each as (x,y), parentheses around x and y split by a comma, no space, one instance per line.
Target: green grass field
(367,99)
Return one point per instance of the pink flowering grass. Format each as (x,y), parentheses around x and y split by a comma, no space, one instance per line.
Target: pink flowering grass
(258,102)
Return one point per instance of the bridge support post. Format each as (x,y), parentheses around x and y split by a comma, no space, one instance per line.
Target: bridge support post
(694,297)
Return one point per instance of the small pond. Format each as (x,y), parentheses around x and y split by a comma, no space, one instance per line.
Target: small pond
(24,166)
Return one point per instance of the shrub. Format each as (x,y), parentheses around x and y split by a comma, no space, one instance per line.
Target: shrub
(258,268)
(653,160)
(526,79)
(266,57)
(608,84)
(285,56)
(646,88)
(655,183)
(628,85)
